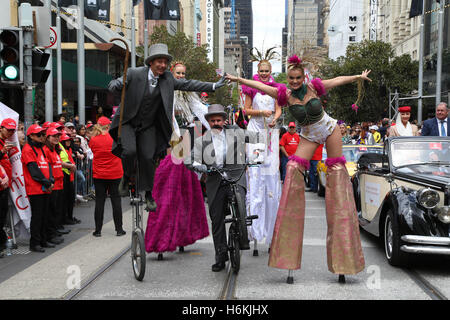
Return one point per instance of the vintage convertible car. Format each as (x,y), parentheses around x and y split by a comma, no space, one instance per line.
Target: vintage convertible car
(402,196)
(351,153)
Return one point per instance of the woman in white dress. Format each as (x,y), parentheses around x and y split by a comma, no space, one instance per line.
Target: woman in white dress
(263,181)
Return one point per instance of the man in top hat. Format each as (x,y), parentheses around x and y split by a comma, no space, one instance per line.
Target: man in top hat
(147,116)
(221,146)
(438,126)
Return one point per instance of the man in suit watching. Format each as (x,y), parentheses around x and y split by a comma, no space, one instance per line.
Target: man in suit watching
(438,126)
(147,117)
(222,146)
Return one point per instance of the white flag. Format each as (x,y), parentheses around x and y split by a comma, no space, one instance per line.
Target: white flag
(17,190)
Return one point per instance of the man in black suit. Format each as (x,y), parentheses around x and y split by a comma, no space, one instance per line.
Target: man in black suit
(438,126)
(147,116)
(222,146)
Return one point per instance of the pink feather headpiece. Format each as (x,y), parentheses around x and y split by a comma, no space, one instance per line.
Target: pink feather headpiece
(294,60)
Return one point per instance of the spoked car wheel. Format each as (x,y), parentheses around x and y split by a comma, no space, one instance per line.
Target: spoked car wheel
(235,252)
(138,255)
(392,241)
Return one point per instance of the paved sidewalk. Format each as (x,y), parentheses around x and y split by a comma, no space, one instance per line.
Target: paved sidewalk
(30,275)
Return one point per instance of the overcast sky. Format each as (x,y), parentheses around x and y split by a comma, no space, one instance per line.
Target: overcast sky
(268,22)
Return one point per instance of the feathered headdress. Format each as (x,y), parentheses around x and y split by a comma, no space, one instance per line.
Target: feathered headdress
(257,56)
(295,61)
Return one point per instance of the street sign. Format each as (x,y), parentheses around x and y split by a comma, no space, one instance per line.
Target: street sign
(42,26)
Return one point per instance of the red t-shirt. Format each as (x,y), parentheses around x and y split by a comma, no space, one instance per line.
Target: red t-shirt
(318,153)
(6,164)
(28,155)
(55,161)
(105,165)
(290,142)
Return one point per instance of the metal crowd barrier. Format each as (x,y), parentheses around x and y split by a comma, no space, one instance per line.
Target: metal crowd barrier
(87,189)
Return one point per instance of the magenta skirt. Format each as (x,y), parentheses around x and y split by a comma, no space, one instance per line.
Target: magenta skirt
(180,217)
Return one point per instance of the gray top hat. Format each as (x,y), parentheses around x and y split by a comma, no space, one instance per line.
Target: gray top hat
(216,109)
(158,50)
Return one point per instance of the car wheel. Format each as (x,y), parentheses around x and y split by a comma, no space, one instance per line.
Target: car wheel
(321,190)
(392,241)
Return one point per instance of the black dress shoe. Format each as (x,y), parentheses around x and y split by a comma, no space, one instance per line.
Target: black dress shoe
(160,257)
(63,231)
(69,222)
(97,234)
(37,249)
(124,186)
(47,245)
(77,221)
(56,240)
(121,233)
(219,266)
(150,203)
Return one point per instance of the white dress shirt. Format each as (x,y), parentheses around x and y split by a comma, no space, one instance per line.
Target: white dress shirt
(152,79)
(220,146)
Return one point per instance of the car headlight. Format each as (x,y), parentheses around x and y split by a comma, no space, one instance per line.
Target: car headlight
(444,214)
(428,198)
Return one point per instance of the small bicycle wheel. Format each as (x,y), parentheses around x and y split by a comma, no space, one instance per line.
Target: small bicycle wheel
(234,247)
(138,255)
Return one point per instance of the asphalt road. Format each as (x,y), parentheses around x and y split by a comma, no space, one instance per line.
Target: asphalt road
(188,275)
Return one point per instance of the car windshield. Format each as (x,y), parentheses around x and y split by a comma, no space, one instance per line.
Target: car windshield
(352,154)
(410,153)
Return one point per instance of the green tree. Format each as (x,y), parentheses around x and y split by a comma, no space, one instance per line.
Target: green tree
(388,72)
(198,67)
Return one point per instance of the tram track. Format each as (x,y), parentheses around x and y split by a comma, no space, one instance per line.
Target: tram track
(432,291)
(75,292)
(229,287)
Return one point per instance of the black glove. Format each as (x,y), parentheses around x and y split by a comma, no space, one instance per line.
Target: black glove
(222,82)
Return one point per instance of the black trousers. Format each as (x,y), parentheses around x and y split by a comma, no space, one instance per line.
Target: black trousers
(39,218)
(101,188)
(56,213)
(139,145)
(217,213)
(3,216)
(68,198)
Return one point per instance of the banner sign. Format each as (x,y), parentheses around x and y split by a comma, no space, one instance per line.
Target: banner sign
(210,28)
(93,9)
(17,192)
(162,10)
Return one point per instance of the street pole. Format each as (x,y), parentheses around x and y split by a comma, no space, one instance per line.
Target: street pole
(439,53)
(80,62)
(421,54)
(58,62)
(145,39)
(28,77)
(49,82)
(133,37)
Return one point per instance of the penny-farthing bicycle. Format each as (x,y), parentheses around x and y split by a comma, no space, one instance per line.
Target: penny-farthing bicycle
(138,254)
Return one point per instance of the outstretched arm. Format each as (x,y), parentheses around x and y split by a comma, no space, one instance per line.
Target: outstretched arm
(339,81)
(271,91)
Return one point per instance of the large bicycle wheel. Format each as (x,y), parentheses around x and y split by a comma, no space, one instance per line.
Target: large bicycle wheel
(138,255)
(241,214)
(234,247)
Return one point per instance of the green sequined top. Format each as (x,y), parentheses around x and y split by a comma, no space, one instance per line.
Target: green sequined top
(309,113)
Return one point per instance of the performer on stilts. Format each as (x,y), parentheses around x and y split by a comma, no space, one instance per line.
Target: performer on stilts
(263,182)
(344,251)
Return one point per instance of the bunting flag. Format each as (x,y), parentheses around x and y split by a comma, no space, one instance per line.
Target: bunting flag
(162,10)
(416,8)
(93,9)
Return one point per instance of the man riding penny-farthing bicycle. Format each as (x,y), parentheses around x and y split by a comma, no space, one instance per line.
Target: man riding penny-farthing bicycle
(142,128)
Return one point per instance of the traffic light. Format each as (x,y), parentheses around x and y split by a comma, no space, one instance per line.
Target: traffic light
(40,59)
(11,55)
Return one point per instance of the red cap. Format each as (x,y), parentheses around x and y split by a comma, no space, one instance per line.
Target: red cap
(203,94)
(51,131)
(46,125)
(103,121)
(89,125)
(35,128)
(9,123)
(64,137)
(56,125)
(292,124)
(404,109)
